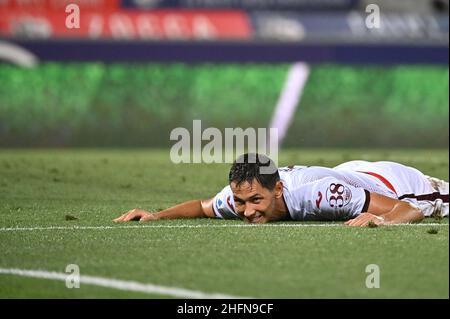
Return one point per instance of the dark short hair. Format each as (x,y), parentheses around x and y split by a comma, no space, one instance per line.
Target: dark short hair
(247,168)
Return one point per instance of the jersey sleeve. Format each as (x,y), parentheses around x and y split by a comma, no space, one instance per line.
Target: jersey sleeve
(333,199)
(223,204)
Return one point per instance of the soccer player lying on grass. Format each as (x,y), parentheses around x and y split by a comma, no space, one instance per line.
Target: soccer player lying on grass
(360,192)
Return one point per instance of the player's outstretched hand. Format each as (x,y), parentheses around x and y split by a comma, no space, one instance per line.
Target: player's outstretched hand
(364,219)
(136,214)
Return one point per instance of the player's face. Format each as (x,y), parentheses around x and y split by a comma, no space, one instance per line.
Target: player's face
(254,203)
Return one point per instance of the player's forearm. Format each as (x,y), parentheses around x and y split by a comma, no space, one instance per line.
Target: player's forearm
(403,212)
(190,209)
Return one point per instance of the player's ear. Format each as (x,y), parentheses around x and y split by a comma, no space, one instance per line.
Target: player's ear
(278,189)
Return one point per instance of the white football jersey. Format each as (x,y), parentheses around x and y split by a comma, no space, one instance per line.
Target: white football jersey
(340,193)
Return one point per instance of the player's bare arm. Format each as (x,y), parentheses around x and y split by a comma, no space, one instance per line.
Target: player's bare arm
(189,209)
(384,210)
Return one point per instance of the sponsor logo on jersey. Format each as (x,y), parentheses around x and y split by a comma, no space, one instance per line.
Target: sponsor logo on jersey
(338,195)
(319,199)
(229,203)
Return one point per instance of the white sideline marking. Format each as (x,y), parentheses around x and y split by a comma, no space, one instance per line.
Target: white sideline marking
(6,229)
(17,54)
(119,284)
(288,100)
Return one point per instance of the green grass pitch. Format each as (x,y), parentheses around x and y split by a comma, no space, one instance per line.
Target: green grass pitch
(39,188)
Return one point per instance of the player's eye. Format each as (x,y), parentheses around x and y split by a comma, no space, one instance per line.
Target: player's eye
(256,200)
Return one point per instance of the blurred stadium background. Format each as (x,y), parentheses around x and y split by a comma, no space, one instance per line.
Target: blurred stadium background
(136,69)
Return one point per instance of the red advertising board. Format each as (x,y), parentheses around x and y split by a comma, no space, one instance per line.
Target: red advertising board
(58,5)
(127,24)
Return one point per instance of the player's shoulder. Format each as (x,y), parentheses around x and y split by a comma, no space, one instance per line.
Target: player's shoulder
(295,176)
(288,172)
(321,182)
(292,168)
